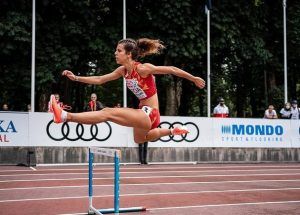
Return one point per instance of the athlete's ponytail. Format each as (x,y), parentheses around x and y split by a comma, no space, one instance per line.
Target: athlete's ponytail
(142,47)
(148,47)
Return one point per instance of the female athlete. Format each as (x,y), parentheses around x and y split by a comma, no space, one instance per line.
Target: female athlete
(141,81)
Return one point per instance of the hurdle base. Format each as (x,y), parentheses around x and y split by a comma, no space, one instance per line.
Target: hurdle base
(112,210)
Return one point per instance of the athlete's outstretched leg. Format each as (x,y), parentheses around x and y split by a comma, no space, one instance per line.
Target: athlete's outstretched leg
(141,136)
(135,118)
(122,116)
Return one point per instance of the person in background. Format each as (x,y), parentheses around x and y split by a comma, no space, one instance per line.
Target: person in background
(143,149)
(5,107)
(285,112)
(29,107)
(221,110)
(118,105)
(295,111)
(93,104)
(270,113)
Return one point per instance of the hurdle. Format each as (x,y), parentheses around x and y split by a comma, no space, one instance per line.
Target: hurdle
(116,154)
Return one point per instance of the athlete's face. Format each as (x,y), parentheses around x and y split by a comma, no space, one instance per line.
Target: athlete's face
(121,56)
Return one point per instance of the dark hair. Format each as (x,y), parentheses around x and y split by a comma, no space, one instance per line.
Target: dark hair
(141,47)
(221,99)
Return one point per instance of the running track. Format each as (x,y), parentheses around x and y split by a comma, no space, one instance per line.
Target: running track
(164,189)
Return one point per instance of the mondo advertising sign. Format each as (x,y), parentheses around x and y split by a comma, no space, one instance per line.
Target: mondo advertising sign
(252,132)
(295,133)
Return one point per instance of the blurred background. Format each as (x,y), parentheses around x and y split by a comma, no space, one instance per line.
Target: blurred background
(247,54)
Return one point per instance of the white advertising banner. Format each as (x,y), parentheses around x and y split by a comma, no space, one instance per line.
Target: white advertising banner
(43,132)
(46,133)
(38,129)
(258,133)
(200,134)
(14,129)
(295,133)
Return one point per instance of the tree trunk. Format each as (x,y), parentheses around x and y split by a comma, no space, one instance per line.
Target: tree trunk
(272,84)
(43,100)
(173,94)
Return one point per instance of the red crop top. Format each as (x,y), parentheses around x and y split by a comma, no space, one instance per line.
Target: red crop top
(143,88)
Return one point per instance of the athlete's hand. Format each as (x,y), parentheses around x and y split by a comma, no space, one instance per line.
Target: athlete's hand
(199,82)
(69,74)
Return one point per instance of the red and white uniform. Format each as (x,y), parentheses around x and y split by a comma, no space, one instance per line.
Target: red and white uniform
(143,88)
(221,111)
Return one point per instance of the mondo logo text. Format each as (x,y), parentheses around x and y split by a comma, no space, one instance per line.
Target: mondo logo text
(236,129)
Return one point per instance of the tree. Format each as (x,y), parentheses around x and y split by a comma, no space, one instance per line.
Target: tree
(246,51)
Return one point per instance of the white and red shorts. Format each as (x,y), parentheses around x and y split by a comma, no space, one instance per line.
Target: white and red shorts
(153,114)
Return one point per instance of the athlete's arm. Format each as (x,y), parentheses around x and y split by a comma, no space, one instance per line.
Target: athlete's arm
(95,79)
(147,69)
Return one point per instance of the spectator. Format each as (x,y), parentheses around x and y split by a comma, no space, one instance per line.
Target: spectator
(61,104)
(285,112)
(143,148)
(29,107)
(93,104)
(5,107)
(295,111)
(221,110)
(118,105)
(270,113)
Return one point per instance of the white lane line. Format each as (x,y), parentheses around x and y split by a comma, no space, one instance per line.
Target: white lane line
(164,167)
(75,214)
(154,194)
(160,166)
(179,163)
(30,168)
(148,177)
(150,184)
(151,172)
(224,205)
(206,206)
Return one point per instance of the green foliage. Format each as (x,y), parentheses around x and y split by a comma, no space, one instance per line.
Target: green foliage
(246,43)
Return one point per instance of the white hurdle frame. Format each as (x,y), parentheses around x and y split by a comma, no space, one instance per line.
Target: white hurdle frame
(116,154)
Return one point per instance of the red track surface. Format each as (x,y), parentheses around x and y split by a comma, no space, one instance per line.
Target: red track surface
(163,189)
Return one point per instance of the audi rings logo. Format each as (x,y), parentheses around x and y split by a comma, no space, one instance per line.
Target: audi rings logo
(95,132)
(190,137)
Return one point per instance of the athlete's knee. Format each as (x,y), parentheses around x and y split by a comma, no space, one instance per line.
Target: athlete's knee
(139,140)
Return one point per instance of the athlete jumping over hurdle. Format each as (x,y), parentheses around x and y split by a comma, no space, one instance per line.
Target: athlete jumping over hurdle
(141,81)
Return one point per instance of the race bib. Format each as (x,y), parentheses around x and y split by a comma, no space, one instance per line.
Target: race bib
(133,85)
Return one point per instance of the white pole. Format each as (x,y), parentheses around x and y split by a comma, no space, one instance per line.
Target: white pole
(124,37)
(33,58)
(208,62)
(285,53)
